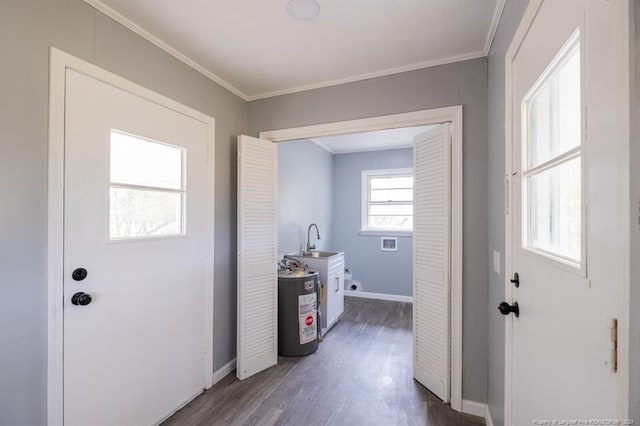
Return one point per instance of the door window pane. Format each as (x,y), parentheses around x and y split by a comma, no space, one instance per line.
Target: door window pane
(146,190)
(137,161)
(555,210)
(138,213)
(552,174)
(554,110)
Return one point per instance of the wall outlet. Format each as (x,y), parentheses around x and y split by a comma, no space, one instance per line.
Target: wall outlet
(347,269)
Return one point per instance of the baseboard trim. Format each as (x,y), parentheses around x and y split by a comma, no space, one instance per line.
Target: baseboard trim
(223,371)
(379,296)
(478,409)
(487,418)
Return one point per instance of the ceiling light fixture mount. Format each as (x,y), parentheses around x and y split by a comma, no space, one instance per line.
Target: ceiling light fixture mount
(303,9)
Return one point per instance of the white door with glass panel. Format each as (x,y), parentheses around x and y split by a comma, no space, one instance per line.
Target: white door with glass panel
(136,240)
(564,217)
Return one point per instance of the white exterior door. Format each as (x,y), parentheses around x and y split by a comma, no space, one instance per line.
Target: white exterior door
(431,260)
(136,219)
(257,346)
(566,217)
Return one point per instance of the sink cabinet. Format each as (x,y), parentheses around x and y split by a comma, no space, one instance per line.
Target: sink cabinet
(331,271)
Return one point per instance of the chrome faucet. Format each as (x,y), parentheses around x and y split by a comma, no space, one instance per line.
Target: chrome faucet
(309,245)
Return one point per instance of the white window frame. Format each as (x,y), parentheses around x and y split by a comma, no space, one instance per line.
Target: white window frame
(365,195)
(574,42)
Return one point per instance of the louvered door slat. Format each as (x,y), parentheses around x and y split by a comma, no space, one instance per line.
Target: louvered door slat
(431,238)
(257,346)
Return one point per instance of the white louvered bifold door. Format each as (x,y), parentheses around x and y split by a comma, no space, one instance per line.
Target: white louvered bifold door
(431,239)
(257,256)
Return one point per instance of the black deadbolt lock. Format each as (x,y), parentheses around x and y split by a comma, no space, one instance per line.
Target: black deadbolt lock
(79,274)
(81,298)
(516,280)
(506,309)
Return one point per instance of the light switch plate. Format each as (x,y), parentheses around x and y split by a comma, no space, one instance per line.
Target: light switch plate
(496,261)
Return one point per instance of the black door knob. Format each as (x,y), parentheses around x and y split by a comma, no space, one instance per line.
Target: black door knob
(506,309)
(79,274)
(81,298)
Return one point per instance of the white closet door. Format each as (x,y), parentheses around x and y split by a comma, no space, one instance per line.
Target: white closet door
(257,256)
(431,260)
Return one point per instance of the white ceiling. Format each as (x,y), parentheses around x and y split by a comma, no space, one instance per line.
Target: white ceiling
(256,49)
(371,141)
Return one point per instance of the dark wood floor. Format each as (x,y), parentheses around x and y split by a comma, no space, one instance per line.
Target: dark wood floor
(360,375)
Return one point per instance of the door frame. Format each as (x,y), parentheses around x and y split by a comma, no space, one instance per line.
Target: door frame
(59,62)
(451,114)
(623,326)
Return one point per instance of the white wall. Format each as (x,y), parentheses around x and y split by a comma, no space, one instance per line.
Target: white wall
(388,272)
(305,176)
(315,186)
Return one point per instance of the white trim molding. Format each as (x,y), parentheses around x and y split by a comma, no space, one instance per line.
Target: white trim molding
(128,23)
(59,62)
(527,19)
(224,371)
(479,409)
(488,419)
(495,21)
(322,145)
(474,408)
(407,119)
(452,114)
(378,296)
(367,76)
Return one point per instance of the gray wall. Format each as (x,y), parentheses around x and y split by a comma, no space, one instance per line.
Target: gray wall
(305,176)
(27,29)
(452,84)
(634,232)
(388,272)
(509,21)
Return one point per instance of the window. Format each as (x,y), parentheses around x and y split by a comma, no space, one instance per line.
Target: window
(146,188)
(552,160)
(387,200)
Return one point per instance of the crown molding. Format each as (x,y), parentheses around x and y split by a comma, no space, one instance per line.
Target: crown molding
(322,145)
(495,21)
(359,150)
(118,17)
(360,77)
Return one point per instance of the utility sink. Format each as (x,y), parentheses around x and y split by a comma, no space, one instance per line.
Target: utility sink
(330,266)
(316,253)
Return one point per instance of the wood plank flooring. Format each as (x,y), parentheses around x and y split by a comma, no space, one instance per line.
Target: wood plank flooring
(360,375)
